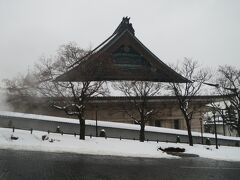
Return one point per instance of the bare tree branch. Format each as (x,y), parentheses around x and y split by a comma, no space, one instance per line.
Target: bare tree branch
(185,92)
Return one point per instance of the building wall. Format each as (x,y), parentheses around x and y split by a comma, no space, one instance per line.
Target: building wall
(168,113)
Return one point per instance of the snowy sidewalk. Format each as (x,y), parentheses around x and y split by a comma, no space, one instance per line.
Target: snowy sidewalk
(109,146)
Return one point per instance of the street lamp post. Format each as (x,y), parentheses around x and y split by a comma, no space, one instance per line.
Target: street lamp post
(96,116)
(215,128)
(201,121)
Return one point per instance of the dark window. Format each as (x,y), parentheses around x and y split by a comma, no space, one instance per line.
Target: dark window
(158,123)
(176,124)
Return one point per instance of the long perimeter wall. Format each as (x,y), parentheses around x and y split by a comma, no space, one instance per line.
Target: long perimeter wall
(114,130)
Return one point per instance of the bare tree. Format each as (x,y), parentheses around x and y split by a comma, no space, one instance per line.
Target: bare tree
(138,93)
(228,85)
(219,109)
(186,91)
(68,96)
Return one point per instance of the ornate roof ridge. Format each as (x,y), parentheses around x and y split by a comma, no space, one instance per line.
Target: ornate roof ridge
(125,24)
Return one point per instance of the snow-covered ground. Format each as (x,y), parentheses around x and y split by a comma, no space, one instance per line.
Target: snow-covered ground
(102,146)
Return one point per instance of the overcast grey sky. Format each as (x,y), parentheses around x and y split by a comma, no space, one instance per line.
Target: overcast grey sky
(205,30)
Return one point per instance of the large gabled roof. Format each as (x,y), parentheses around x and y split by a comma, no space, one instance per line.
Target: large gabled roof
(121,57)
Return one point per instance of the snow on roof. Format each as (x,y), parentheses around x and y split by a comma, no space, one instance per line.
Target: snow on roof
(110,124)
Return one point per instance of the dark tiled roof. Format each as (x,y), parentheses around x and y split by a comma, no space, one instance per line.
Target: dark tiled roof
(123,35)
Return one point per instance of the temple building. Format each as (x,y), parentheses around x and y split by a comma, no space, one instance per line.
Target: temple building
(122,57)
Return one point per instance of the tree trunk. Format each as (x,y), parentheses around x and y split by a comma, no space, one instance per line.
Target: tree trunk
(188,123)
(142,132)
(82,128)
(190,139)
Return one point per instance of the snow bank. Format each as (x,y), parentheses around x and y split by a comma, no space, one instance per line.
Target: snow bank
(225,153)
(102,146)
(69,143)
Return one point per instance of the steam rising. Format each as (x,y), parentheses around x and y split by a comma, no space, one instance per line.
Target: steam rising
(4,106)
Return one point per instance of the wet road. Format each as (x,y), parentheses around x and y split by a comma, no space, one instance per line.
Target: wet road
(24,165)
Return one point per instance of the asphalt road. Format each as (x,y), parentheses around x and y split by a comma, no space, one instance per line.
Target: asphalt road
(24,165)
